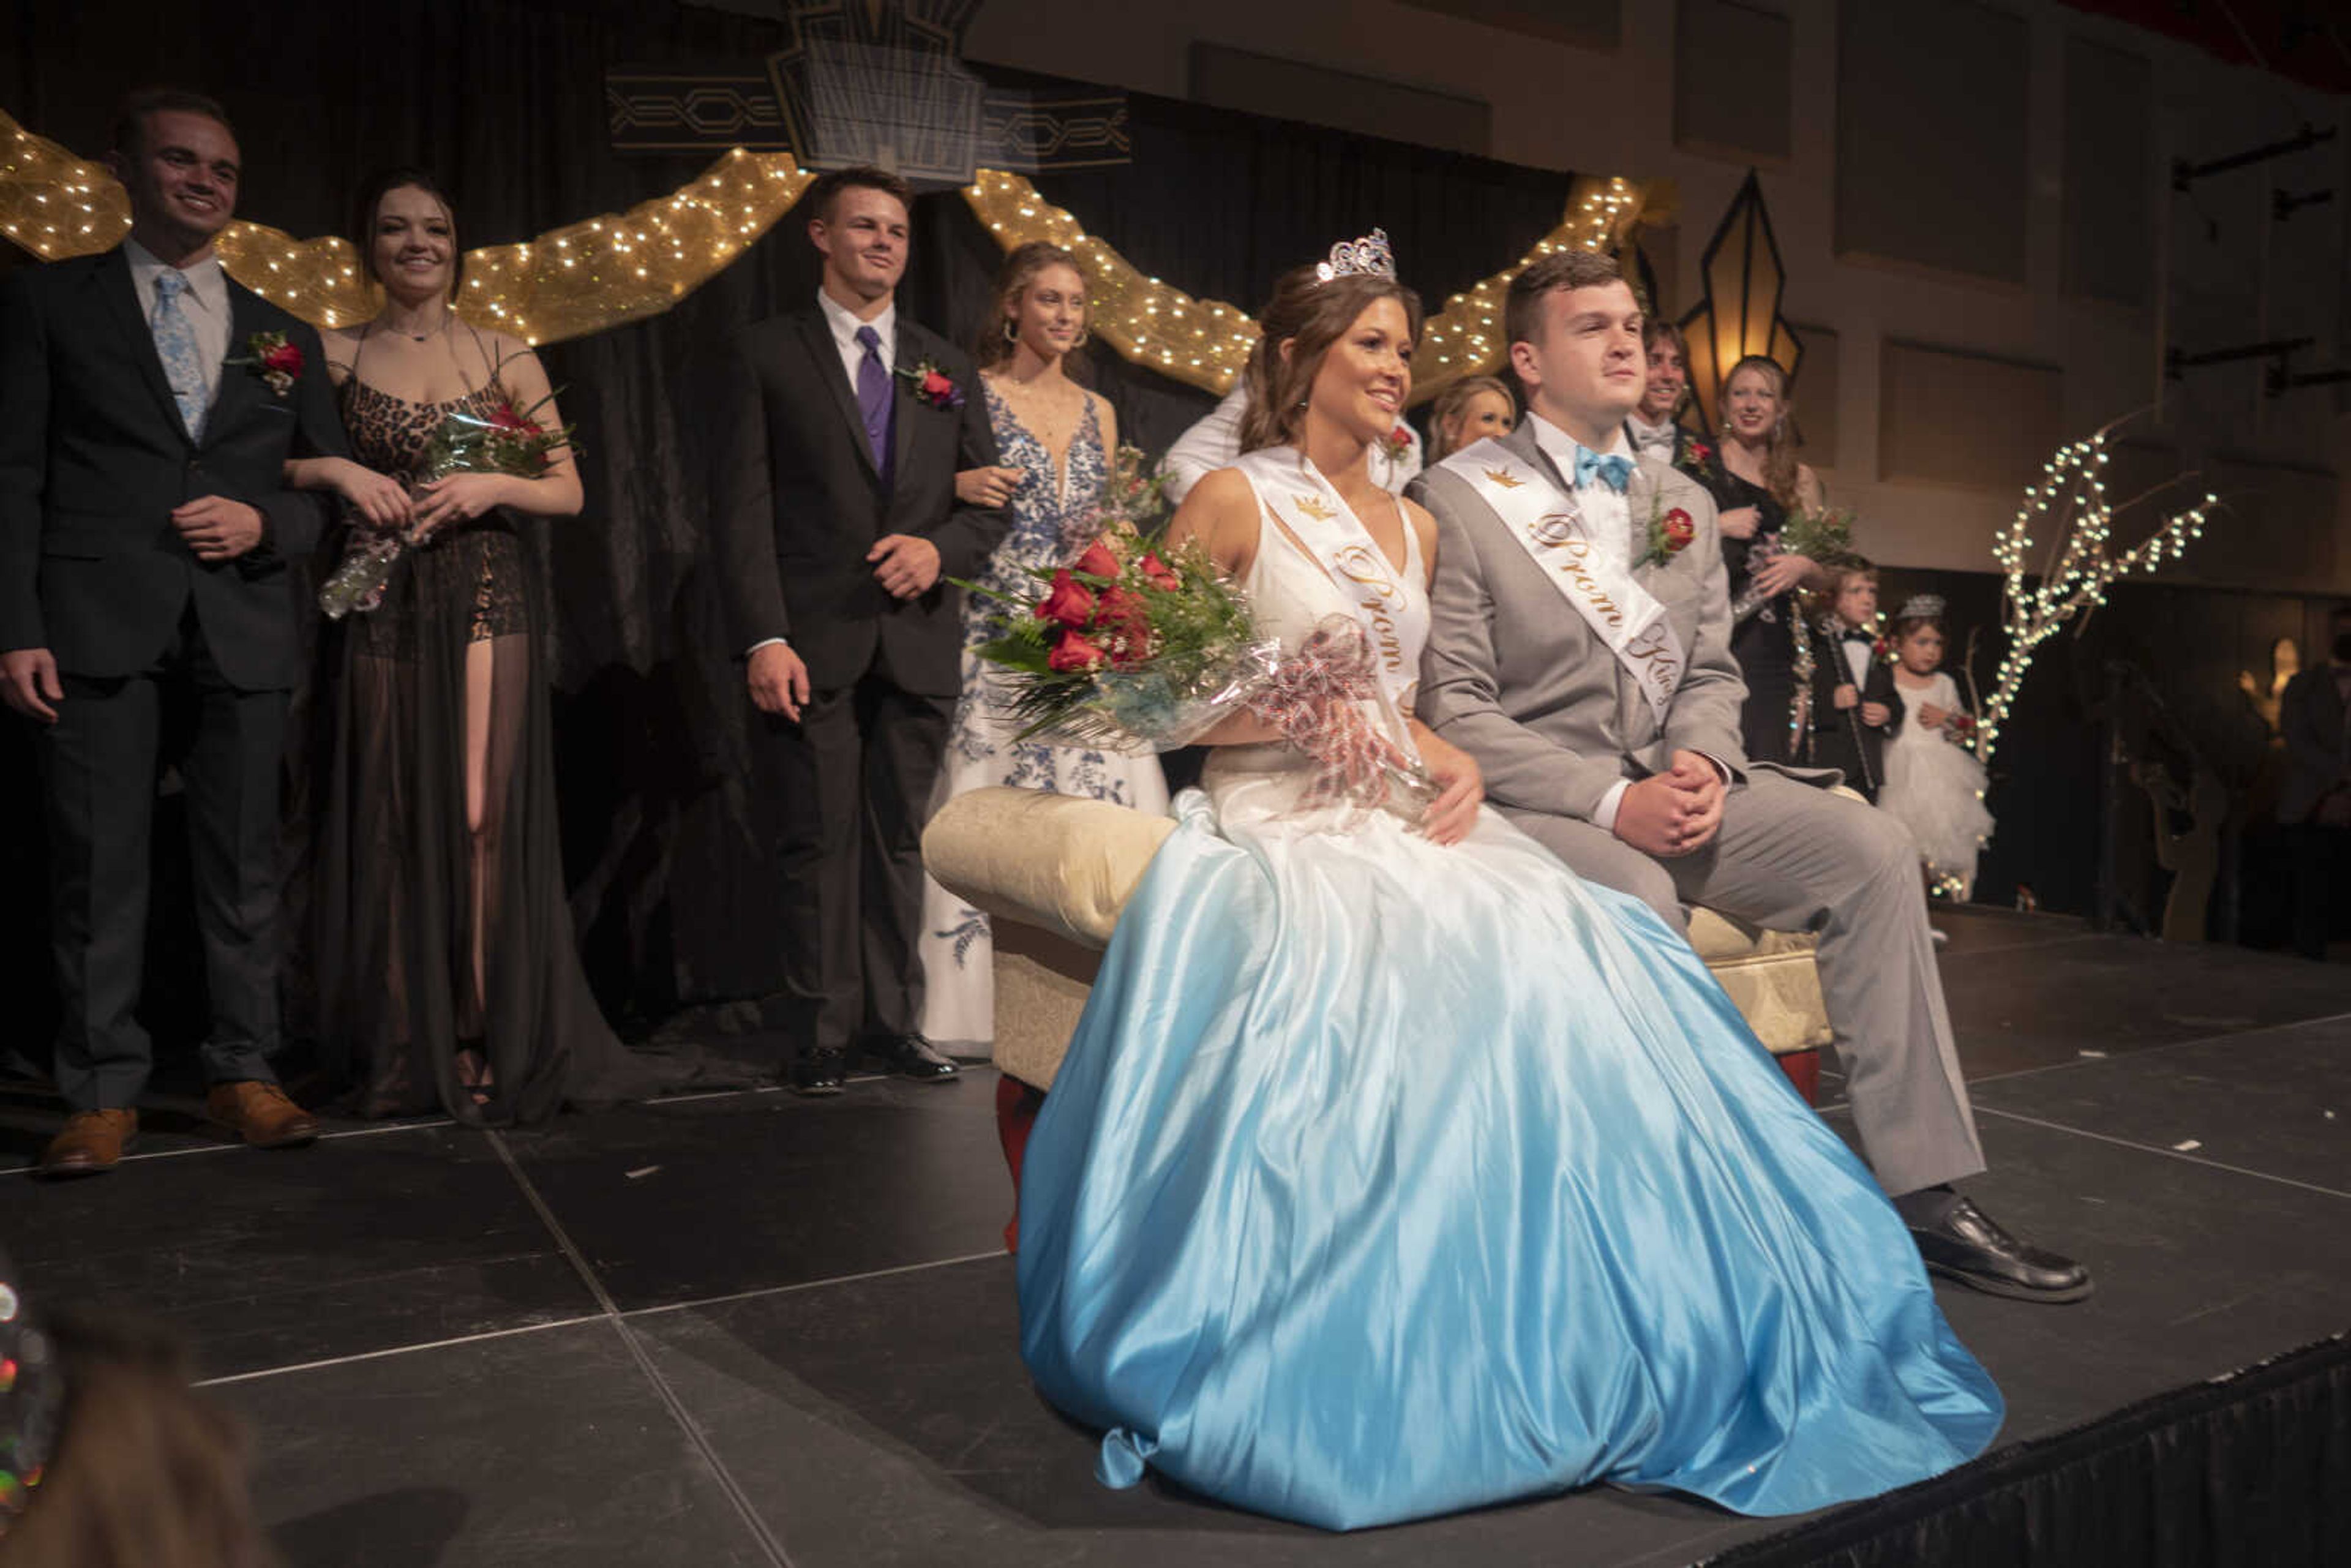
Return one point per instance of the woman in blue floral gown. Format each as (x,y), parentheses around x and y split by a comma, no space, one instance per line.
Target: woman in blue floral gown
(1055,439)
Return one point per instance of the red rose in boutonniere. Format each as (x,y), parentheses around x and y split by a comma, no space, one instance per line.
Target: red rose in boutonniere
(932,384)
(1670,533)
(276,361)
(1397,443)
(1883,650)
(1693,456)
(1069,602)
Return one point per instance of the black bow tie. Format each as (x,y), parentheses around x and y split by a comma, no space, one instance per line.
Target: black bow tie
(1859,637)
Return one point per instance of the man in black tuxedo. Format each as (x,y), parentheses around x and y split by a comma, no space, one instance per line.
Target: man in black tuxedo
(145,532)
(836,518)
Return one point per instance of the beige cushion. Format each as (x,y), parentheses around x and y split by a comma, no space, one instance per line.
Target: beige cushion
(1056,870)
(1056,861)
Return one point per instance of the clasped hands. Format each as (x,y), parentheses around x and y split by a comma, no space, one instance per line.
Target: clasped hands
(215,529)
(1673,813)
(905,565)
(387,506)
(1873,715)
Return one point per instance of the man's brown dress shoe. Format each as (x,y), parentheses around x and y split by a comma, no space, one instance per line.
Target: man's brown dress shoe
(260,1113)
(92,1142)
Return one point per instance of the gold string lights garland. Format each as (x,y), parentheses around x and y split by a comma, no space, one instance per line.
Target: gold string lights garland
(2073,495)
(1206,342)
(568,283)
(619,267)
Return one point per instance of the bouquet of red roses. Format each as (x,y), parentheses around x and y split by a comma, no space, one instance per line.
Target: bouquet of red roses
(506,440)
(1136,643)
(1129,643)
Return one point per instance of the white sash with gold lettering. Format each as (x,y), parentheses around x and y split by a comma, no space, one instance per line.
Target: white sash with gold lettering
(1550,527)
(1311,508)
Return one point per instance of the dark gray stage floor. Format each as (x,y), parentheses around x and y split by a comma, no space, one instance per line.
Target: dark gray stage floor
(752,1329)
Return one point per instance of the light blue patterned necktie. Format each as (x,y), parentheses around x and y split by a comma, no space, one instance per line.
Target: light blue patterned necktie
(175,344)
(1616,470)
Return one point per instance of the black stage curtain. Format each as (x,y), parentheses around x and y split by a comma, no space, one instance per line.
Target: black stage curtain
(674,902)
(2252,1469)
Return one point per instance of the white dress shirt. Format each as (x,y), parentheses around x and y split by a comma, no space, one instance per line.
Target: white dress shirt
(1659,439)
(1608,524)
(1214,442)
(204,303)
(843,324)
(1856,657)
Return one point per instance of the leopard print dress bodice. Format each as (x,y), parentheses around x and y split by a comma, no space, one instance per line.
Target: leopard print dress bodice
(391,435)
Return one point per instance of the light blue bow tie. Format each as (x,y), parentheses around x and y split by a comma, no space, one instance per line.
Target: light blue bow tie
(1616,470)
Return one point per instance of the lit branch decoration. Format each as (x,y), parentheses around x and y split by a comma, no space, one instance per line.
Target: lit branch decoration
(2079,566)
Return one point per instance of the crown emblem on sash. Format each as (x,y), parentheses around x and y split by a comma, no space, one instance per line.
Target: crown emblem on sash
(1316,507)
(1504,477)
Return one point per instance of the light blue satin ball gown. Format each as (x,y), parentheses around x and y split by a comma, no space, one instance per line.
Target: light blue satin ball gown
(1384,1179)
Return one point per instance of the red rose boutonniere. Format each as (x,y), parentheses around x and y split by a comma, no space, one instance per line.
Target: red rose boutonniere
(932,384)
(1669,534)
(1694,454)
(1883,650)
(1397,443)
(272,359)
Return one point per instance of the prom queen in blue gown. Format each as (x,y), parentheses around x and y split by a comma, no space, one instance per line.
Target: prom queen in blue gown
(1393,1170)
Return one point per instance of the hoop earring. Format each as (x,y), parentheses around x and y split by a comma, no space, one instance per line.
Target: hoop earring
(1086,336)
(1011,333)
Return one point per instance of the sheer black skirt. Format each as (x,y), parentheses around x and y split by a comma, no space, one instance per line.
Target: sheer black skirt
(421,979)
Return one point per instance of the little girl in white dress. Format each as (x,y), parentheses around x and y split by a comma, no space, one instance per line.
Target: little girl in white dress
(1933,785)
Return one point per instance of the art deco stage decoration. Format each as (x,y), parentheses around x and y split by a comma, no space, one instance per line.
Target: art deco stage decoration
(2076,567)
(1739,314)
(625,267)
(880,84)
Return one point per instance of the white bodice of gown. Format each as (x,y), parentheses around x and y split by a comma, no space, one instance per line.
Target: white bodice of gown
(1291,593)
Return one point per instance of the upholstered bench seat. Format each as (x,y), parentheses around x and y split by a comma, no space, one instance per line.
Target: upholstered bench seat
(1054,871)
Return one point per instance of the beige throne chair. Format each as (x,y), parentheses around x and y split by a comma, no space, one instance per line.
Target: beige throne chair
(1053,871)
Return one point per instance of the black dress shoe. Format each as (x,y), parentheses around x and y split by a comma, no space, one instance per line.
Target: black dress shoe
(1967,1245)
(911,1056)
(820,1071)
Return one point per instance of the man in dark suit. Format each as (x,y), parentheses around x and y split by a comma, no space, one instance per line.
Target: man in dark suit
(2314,803)
(145,533)
(842,426)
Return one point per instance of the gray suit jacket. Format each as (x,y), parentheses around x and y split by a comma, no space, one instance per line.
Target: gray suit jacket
(2318,753)
(1514,676)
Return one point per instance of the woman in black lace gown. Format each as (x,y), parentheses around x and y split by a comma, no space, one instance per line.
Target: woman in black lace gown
(1758,485)
(440,940)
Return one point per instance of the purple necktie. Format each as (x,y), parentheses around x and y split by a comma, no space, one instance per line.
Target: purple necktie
(874,403)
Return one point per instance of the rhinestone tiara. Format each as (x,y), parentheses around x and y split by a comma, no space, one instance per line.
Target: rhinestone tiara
(1368,257)
(1920,607)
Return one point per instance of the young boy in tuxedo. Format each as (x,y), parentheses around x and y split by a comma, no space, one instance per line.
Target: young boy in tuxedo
(1854,704)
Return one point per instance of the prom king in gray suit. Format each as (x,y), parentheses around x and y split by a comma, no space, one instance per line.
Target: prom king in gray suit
(1580,652)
